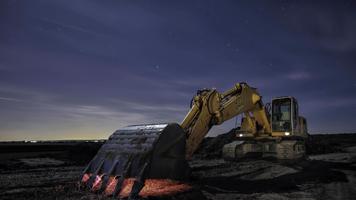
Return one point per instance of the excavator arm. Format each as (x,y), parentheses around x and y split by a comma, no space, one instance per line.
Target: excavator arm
(209,108)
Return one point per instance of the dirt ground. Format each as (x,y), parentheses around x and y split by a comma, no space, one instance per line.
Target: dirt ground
(52,170)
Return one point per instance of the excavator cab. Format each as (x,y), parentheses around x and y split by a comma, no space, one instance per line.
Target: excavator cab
(283,115)
(284,141)
(285,118)
(289,127)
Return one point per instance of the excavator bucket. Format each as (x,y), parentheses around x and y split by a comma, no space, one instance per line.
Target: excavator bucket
(137,153)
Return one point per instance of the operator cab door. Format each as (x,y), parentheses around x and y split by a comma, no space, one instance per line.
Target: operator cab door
(284,116)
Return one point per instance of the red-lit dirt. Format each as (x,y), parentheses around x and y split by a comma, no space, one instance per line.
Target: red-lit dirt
(152,187)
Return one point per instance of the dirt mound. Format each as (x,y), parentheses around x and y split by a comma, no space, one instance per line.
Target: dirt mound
(330,143)
(211,147)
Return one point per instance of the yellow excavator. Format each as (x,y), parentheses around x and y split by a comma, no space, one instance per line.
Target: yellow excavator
(161,151)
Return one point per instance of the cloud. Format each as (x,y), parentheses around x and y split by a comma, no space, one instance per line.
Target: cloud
(23,94)
(299,75)
(9,99)
(331,102)
(329,24)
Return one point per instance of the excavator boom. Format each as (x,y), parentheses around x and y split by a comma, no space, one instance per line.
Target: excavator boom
(211,108)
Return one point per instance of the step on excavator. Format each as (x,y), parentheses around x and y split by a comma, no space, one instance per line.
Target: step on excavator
(156,153)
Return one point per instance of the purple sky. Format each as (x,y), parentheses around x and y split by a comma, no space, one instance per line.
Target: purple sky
(81,69)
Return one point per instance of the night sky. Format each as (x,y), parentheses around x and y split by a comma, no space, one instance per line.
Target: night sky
(82,69)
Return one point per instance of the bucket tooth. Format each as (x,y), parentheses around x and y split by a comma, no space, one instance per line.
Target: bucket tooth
(85,176)
(136,188)
(97,184)
(110,188)
(118,186)
(84,179)
(87,168)
(107,177)
(139,183)
(104,182)
(121,178)
(93,177)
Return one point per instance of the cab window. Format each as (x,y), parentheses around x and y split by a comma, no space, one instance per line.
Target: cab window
(281,114)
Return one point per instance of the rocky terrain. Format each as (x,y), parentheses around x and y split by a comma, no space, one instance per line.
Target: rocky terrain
(52,171)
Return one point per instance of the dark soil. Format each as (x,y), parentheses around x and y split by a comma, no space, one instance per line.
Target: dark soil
(52,170)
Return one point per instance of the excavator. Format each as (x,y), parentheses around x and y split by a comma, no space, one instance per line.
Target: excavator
(162,151)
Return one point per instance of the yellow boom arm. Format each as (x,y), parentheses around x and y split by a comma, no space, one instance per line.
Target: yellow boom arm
(209,108)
